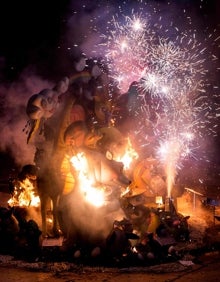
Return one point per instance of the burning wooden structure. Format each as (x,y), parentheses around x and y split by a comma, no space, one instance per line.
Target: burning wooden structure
(106,196)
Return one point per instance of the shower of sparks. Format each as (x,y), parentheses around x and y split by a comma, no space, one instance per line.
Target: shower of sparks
(173,70)
(127,47)
(172,84)
(171,151)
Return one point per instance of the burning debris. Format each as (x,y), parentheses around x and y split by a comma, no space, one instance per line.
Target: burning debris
(23,188)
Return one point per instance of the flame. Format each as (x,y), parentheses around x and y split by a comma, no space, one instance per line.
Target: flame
(24,195)
(159,200)
(126,191)
(129,156)
(93,195)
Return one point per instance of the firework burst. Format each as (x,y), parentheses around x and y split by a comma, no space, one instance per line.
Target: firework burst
(173,70)
(127,46)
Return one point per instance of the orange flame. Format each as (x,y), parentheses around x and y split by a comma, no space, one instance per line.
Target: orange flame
(129,156)
(92,194)
(24,195)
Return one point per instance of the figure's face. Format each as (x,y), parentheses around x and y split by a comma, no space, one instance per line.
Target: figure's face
(113,143)
(116,150)
(48,103)
(76,139)
(45,103)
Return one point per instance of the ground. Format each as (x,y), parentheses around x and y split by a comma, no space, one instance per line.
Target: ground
(200,263)
(207,269)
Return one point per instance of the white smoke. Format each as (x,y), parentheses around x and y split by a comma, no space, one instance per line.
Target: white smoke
(14,98)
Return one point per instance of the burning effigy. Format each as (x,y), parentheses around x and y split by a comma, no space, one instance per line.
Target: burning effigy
(90,187)
(103,179)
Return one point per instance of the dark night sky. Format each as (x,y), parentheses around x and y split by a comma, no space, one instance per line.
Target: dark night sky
(31,30)
(36,34)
